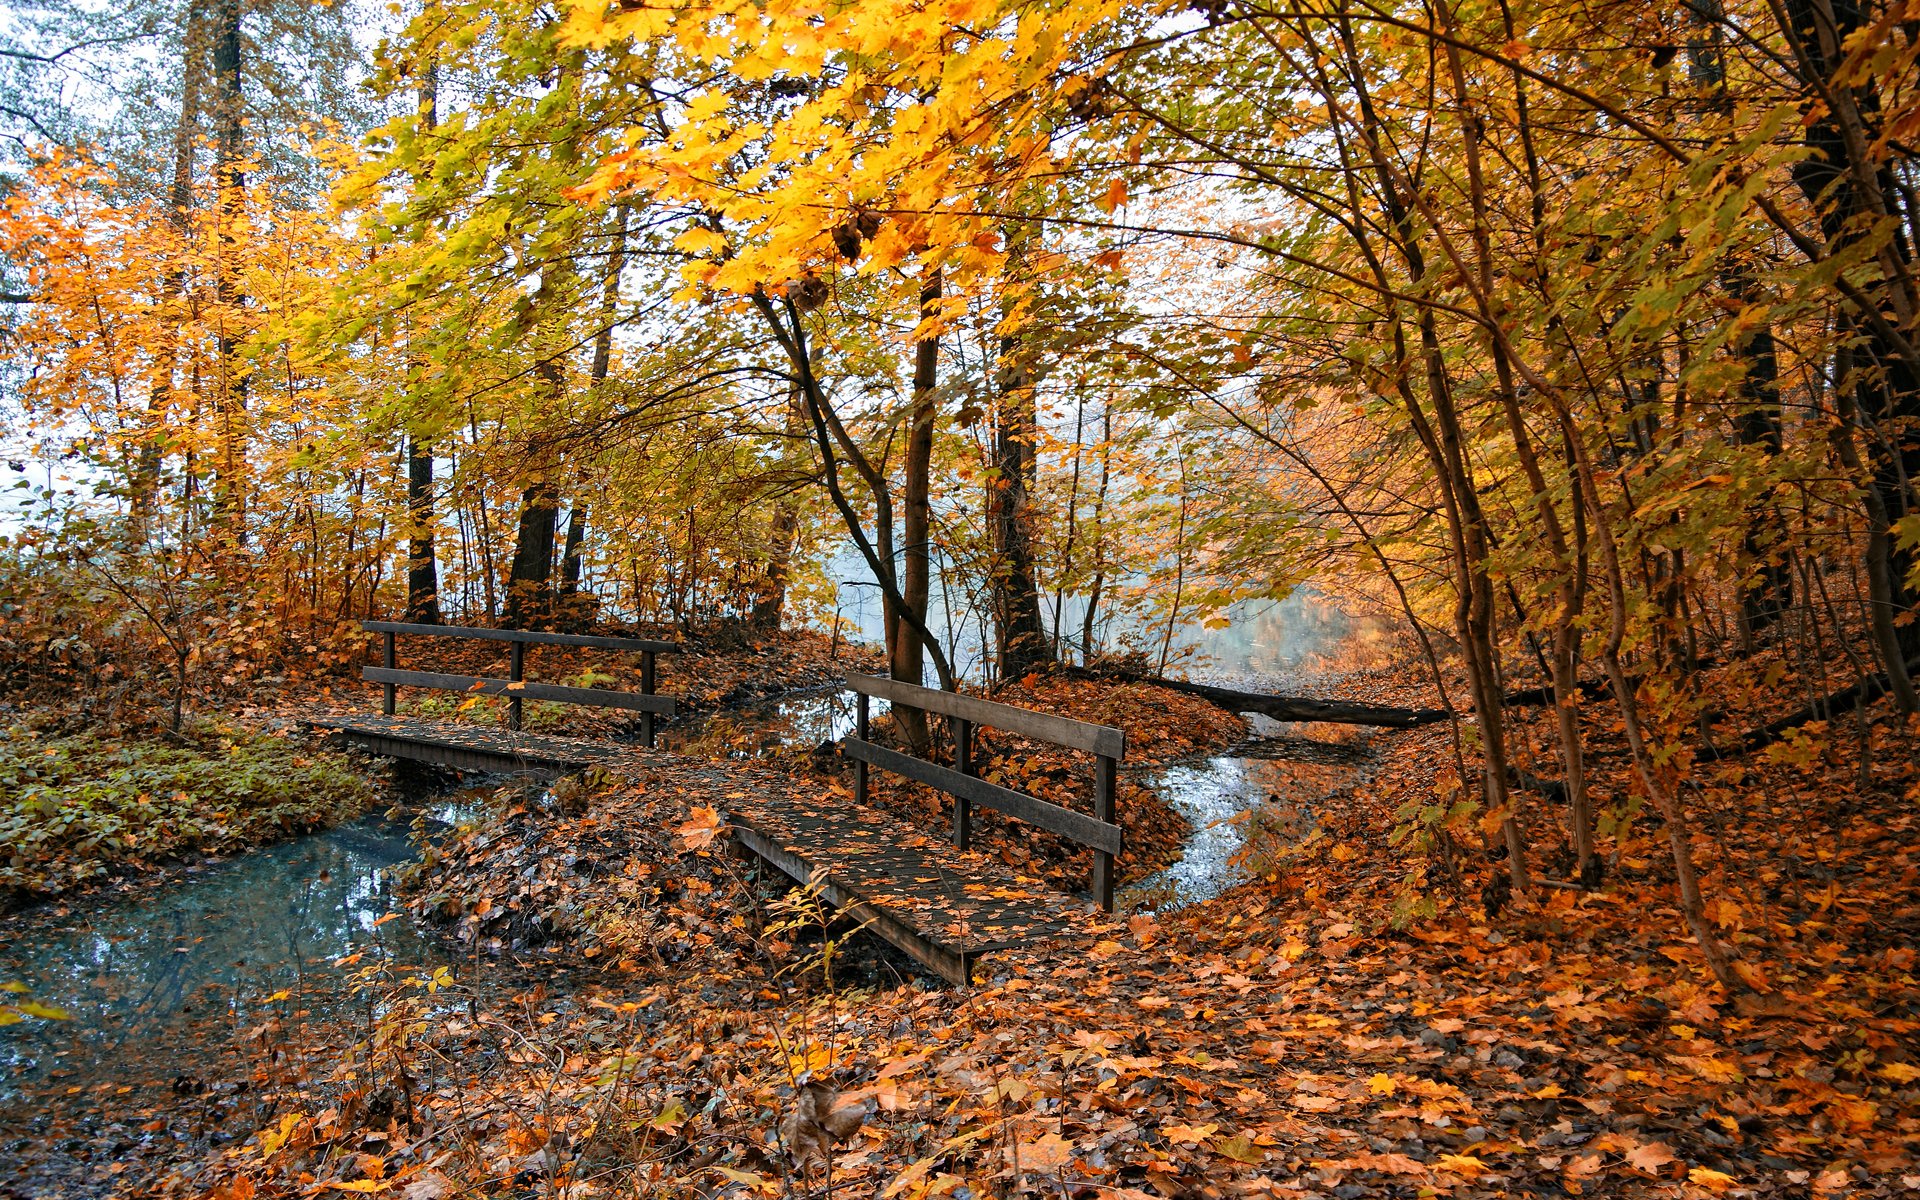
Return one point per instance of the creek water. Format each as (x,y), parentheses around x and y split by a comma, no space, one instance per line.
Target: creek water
(171,988)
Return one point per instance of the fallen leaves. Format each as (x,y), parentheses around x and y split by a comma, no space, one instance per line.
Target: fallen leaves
(699,830)
(816,1123)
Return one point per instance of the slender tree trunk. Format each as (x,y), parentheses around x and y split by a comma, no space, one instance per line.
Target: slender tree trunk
(785,323)
(230,494)
(423,568)
(1853,194)
(570,556)
(771,601)
(908,658)
(1099,533)
(160,395)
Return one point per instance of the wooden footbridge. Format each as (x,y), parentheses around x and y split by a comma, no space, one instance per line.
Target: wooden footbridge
(924,893)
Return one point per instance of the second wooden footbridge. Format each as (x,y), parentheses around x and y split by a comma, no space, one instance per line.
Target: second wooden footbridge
(926,894)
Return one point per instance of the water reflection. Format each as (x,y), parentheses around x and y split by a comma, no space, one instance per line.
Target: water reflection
(155,982)
(794,724)
(1275,779)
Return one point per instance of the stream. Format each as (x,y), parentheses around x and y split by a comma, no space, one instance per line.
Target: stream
(175,986)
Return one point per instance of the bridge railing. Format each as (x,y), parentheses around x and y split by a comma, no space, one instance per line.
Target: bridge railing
(963,713)
(516,687)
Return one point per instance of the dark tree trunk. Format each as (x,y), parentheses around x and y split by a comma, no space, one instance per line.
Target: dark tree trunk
(530,579)
(1022,633)
(423,569)
(423,572)
(1852,195)
(1768,592)
(908,658)
(570,557)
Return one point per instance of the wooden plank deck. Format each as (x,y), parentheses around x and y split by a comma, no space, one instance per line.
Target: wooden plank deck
(942,907)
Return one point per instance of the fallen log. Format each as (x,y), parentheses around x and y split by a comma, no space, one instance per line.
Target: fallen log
(1825,708)
(1301,708)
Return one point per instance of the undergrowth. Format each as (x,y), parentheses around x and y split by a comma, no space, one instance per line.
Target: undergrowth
(75,808)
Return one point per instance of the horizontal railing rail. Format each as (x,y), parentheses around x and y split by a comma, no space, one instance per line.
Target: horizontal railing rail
(531,637)
(1100,832)
(1061,731)
(517,687)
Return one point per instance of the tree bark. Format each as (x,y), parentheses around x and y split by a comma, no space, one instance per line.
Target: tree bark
(423,568)
(230,491)
(1021,632)
(907,659)
(423,572)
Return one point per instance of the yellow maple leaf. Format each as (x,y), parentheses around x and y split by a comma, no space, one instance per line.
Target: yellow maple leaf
(1462,1164)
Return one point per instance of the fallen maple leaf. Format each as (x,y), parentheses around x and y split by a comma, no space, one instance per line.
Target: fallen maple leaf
(1048,1153)
(1187,1135)
(1707,1177)
(699,830)
(1462,1164)
(1649,1158)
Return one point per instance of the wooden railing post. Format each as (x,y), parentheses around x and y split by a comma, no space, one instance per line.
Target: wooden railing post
(517,672)
(387,661)
(963,763)
(646,688)
(860,768)
(1103,786)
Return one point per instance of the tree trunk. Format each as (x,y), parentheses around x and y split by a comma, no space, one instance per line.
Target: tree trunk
(1853,195)
(570,557)
(907,658)
(423,569)
(530,579)
(771,600)
(1021,632)
(230,492)
(423,572)
(145,485)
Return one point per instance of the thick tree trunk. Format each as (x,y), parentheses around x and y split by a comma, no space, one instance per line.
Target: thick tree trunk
(530,597)
(423,571)
(1021,632)
(530,601)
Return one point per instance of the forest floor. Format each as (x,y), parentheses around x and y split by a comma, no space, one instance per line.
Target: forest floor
(1295,1037)
(1361,1019)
